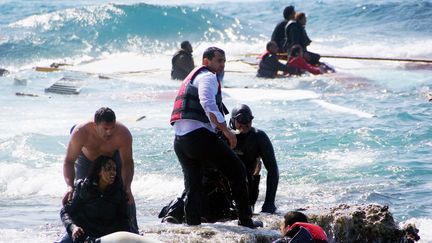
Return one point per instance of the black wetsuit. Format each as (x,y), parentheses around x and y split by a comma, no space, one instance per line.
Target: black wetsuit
(250,148)
(182,64)
(97,213)
(270,65)
(278,35)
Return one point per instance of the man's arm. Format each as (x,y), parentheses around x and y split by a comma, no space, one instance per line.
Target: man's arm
(269,160)
(73,150)
(126,156)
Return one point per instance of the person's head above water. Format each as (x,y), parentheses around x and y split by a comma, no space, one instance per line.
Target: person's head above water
(296,51)
(301,18)
(214,59)
(289,12)
(272,47)
(105,121)
(103,171)
(241,118)
(186,46)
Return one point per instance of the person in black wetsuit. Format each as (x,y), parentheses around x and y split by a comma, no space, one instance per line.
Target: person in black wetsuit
(253,145)
(182,61)
(278,34)
(270,65)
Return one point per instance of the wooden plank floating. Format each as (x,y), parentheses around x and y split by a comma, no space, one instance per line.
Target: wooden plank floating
(65,86)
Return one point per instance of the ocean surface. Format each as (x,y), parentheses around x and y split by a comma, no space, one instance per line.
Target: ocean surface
(361,135)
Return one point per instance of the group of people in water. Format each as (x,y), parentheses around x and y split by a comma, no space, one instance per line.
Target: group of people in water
(289,41)
(220,159)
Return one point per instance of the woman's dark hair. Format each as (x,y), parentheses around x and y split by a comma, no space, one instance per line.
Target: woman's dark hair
(295,50)
(97,166)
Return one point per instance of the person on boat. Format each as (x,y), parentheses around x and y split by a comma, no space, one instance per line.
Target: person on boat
(269,64)
(197,115)
(253,145)
(98,206)
(102,136)
(297,61)
(296,228)
(182,61)
(278,34)
(304,41)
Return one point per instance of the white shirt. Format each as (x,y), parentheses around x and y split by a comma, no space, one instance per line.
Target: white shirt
(208,86)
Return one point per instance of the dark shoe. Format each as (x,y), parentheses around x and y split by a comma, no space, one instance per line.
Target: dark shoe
(250,223)
(268,208)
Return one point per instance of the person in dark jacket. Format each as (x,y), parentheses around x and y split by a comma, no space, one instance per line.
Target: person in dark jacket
(296,229)
(269,64)
(278,34)
(98,206)
(182,61)
(253,145)
(304,41)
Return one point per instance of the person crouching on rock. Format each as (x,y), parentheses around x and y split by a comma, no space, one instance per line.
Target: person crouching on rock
(296,229)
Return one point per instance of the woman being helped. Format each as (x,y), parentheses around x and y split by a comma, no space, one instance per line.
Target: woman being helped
(297,60)
(98,206)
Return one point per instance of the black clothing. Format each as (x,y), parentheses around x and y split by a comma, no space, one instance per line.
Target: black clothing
(293,35)
(250,147)
(269,66)
(97,213)
(182,64)
(278,35)
(202,148)
(82,168)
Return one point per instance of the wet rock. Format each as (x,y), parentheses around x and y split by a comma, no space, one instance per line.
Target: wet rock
(343,223)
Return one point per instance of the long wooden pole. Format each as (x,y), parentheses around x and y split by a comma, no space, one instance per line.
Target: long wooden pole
(283,55)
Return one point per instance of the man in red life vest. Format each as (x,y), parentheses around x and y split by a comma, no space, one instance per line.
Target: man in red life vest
(197,115)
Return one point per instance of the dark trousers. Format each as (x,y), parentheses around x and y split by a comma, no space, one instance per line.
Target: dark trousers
(202,148)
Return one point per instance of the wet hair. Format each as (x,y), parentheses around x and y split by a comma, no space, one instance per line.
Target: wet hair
(299,16)
(104,114)
(295,50)
(184,44)
(209,53)
(270,44)
(97,166)
(293,217)
(288,11)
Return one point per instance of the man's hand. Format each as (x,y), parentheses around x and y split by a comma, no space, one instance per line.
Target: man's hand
(68,195)
(76,232)
(232,139)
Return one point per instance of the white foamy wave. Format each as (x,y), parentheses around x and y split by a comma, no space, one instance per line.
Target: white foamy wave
(20,181)
(28,235)
(153,187)
(423,225)
(87,16)
(338,159)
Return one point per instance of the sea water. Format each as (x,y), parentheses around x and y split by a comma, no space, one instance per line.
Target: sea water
(362,135)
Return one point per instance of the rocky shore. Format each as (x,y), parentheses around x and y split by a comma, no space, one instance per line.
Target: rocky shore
(343,223)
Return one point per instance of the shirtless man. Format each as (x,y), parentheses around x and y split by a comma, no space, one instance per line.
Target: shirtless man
(103,136)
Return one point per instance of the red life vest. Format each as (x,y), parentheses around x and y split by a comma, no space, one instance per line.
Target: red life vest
(187,105)
(316,231)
